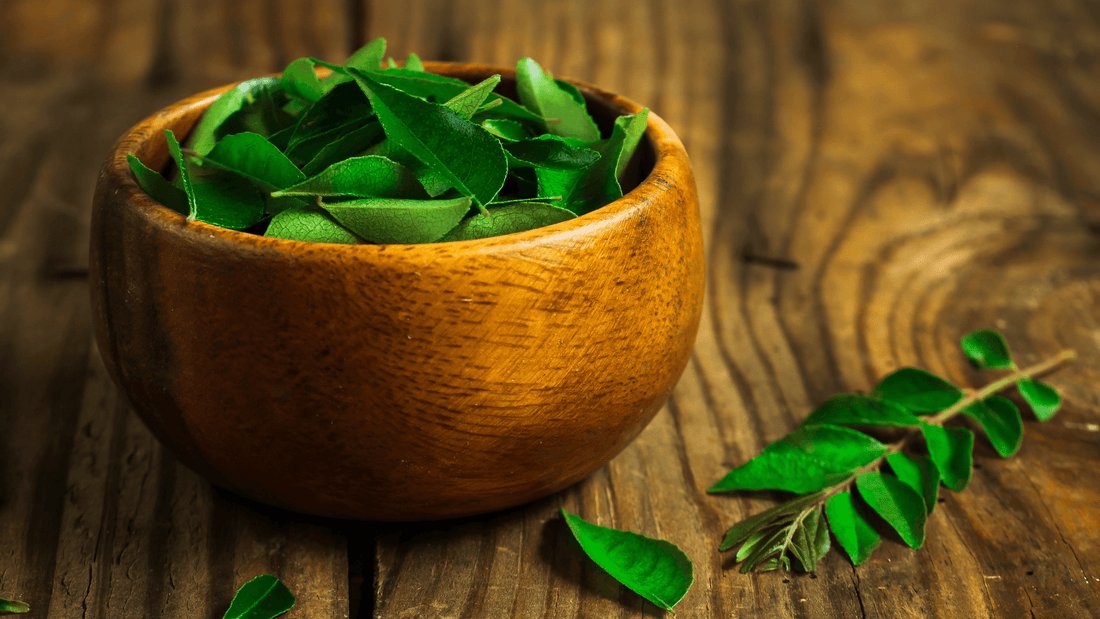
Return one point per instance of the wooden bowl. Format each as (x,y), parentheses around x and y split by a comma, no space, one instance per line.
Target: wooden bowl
(398,382)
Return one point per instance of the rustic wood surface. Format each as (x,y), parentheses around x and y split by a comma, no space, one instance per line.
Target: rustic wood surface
(876,179)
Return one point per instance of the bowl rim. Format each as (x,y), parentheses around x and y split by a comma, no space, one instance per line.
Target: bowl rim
(670,162)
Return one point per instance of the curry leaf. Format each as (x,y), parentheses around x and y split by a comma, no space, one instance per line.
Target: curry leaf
(810,541)
(552,152)
(468,101)
(918,391)
(202,138)
(217,197)
(744,529)
(507,219)
(987,350)
(13,606)
(263,597)
(300,80)
(1043,399)
(920,474)
(851,409)
(539,93)
(1001,421)
(158,187)
(386,220)
(951,450)
(367,177)
(855,535)
(412,63)
(898,504)
(368,57)
(505,129)
(309,223)
(343,147)
(654,569)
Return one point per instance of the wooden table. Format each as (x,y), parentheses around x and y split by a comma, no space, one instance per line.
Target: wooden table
(876,179)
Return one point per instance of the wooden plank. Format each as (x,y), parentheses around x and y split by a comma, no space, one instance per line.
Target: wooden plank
(873,184)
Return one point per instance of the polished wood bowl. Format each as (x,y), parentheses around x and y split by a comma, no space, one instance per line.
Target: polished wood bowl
(398,382)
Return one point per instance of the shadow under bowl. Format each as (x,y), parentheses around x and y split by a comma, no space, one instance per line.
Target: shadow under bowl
(398,382)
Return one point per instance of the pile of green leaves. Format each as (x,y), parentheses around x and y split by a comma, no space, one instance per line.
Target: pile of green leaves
(375,153)
(849,482)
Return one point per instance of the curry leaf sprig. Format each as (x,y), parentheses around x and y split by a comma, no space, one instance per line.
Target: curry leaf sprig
(376,153)
(848,480)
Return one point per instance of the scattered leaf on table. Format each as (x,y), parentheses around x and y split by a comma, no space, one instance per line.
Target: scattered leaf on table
(469,157)
(263,597)
(13,606)
(987,350)
(852,409)
(507,219)
(952,451)
(898,504)
(158,187)
(386,220)
(654,569)
(539,93)
(1043,399)
(806,460)
(856,536)
(920,474)
(366,177)
(202,137)
(1001,421)
(309,223)
(918,391)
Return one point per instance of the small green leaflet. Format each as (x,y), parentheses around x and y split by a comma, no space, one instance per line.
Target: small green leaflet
(309,223)
(950,449)
(1001,421)
(412,63)
(386,220)
(263,597)
(508,130)
(158,187)
(539,92)
(810,541)
(468,101)
(852,409)
(742,531)
(1043,399)
(13,606)
(920,474)
(987,350)
(202,137)
(897,503)
(918,391)
(654,569)
(364,177)
(806,460)
(507,219)
(300,80)
(856,536)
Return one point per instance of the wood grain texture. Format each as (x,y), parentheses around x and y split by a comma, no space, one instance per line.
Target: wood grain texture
(876,179)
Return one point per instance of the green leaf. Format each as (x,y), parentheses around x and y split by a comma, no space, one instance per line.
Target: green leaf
(918,391)
(550,151)
(654,569)
(539,93)
(365,177)
(255,158)
(215,196)
(347,145)
(468,101)
(202,138)
(808,459)
(13,606)
(309,223)
(263,115)
(469,157)
(263,597)
(507,130)
(898,504)
(856,536)
(987,350)
(412,63)
(1001,421)
(742,530)
(632,128)
(810,541)
(951,450)
(385,220)
(920,474)
(368,57)
(507,219)
(753,542)
(850,409)
(158,187)
(774,544)
(300,80)
(1043,399)
(343,104)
